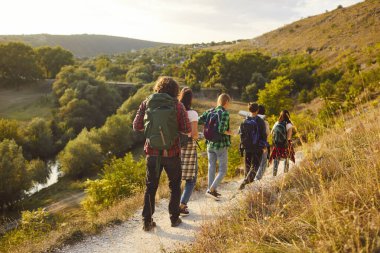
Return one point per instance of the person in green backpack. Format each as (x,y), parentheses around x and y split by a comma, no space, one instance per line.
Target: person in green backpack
(162,117)
(282,142)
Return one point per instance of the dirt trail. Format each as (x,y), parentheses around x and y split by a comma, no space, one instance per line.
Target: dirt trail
(129,236)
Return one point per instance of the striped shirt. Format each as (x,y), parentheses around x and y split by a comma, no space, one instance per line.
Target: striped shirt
(224,125)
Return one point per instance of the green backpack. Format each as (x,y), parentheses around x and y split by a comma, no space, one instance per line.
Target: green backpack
(280,134)
(160,121)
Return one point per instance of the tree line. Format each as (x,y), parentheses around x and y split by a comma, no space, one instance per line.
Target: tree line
(20,63)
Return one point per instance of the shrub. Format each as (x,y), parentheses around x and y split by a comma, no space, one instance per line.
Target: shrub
(81,157)
(121,178)
(13,173)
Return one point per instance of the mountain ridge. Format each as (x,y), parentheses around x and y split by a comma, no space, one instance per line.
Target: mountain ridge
(84,45)
(330,35)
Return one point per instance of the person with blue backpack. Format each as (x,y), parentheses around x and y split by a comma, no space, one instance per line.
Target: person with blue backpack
(266,152)
(282,142)
(216,130)
(162,118)
(253,142)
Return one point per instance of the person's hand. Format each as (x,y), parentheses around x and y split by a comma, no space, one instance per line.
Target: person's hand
(228,132)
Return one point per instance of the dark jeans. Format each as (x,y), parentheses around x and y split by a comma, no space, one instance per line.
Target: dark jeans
(172,166)
(252,161)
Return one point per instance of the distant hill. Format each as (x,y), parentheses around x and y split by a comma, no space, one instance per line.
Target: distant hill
(84,45)
(329,35)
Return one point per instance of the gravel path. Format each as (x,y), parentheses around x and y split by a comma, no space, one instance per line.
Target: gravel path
(129,236)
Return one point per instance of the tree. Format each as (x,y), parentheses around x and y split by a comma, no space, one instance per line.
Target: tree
(140,73)
(10,129)
(13,173)
(196,68)
(52,59)
(17,64)
(38,139)
(243,65)
(219,71)
(83,101)
(38,171)
(117,136)
(81,157)
(276,95)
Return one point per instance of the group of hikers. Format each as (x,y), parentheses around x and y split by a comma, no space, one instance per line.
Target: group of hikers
(170,126)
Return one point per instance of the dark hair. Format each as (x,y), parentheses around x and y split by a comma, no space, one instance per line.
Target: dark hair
(253,107)
(284,116)
(261,110)
(186,97)
(167,85)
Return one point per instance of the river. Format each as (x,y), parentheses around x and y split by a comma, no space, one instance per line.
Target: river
(53,178)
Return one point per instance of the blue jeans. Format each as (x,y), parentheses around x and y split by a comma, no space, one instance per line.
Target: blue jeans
(189,186)
(214,155)
(277,162)
(262,167)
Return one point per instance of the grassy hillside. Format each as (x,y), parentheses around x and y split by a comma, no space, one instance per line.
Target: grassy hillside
(84,45)
(329,203)
(343,31)
(26,102)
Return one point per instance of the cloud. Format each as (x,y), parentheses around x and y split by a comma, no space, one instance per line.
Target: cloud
(178,21)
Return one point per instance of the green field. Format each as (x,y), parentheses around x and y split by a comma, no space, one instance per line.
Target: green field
(26,102)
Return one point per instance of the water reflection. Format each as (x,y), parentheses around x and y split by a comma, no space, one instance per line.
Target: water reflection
(53,178)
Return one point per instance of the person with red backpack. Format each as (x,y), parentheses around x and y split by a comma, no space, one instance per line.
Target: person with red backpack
(253,142)
(216,130)
(162,117)
(282,142)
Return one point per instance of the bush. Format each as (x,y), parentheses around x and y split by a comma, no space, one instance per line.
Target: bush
(38,171)
(121,178)
(13,173)
(81,157)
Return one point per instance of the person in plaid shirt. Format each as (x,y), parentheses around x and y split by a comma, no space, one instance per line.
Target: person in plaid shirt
(170,159)
(218,151)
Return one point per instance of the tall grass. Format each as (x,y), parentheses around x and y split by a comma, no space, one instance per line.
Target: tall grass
(329,203)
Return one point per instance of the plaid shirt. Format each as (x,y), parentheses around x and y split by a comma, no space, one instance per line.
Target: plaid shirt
(183,126)
(224,125)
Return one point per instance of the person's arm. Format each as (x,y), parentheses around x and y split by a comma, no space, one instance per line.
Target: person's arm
(138,122)
(267,130)
(194,130)
(183,120)
(202,118)
(289,133)
(263,132)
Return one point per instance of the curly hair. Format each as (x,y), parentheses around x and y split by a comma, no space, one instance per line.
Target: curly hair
(167,85)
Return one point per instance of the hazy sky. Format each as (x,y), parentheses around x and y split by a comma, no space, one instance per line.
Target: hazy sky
(176,21)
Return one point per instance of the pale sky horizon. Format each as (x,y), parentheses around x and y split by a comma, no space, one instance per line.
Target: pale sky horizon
(172,21)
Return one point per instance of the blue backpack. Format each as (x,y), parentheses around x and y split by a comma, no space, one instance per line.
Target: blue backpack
(211,128)
(249,134)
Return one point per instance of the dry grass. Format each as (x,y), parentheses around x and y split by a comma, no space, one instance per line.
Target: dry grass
(330,203)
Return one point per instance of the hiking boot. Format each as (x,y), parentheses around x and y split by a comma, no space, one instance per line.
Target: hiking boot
(241,187)
(183,211)
(212,194)
(218,194)
(176,222)
(149,225)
